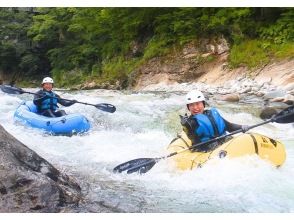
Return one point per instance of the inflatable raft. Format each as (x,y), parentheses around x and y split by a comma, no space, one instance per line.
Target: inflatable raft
(65,125)
(244,144)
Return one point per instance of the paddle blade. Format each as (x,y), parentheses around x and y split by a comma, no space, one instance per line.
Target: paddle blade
(106,107)
(11,90)
(141,165)
(285,116)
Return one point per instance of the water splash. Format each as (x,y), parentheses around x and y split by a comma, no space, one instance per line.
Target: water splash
(143,126)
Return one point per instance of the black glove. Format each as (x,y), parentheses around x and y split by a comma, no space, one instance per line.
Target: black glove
(73,101)
(189,125)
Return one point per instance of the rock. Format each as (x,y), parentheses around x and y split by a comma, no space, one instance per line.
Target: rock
(188,56)
(288,99)
(224,66)
(289,87)
(223,46)
(28,183)
(206,55)
(277,99)
(267,112)
(230,98)
(274,94)
(246,90)
(289,102)
(89,85)
(291,92)
(259,94)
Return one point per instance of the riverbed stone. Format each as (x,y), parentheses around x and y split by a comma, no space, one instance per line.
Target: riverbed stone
(230,97)
(267,112)
(274,94)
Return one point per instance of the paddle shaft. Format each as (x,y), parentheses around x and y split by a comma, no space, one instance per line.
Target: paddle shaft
(33,93)
(102,106)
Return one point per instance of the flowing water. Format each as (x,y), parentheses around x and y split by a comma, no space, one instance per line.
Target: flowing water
(143,126)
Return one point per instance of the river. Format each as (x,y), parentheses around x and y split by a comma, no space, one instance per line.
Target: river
(143,126)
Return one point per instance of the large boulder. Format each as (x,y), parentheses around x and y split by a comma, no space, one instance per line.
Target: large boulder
(28,183)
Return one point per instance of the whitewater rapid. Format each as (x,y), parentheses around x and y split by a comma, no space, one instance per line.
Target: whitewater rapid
(143,126)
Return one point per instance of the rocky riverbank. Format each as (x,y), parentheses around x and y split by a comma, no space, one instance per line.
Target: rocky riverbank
(205,66)
(208,71)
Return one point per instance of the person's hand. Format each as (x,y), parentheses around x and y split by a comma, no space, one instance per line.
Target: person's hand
(245,128)
(73,101)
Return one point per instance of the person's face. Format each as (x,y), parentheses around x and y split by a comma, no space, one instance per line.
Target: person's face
(47,86)
(196,108)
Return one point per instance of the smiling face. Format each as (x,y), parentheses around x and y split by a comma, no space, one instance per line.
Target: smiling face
(196,108)
(47,86)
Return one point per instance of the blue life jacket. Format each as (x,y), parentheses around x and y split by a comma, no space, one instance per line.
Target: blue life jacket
(50,103)
(211,125)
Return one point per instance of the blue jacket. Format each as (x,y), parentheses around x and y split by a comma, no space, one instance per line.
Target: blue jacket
(211,125)
(45,100)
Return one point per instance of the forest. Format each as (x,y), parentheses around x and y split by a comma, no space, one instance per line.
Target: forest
(106,44)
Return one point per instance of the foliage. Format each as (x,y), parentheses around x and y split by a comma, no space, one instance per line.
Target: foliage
(249,53)
(282,30)
(76,44)
(256,53)
(18,55)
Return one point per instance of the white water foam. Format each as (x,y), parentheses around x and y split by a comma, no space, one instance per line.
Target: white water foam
(142,126)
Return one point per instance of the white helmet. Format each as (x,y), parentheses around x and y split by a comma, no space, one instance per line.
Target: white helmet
(47,80)
(194,96)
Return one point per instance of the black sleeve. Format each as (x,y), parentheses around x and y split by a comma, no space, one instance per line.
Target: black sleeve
(231,126)
(39,97)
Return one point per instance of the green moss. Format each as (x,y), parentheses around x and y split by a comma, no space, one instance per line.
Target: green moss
(156,48)
(68,78)
(26,83)
(118,68)
(207,59)
(255,53)
(249,53)
(283,51)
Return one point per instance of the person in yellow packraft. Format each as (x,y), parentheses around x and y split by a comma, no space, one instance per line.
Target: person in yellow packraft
(46,100)
(205,124)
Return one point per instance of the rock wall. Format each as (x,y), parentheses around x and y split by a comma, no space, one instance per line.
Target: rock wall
(28,183)
(210,66)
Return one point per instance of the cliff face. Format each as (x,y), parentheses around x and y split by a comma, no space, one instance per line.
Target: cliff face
(28,183)
(209,64)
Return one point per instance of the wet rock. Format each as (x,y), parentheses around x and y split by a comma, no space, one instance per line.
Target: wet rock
(274,94)
(277,99)
(259,94)
(267,112)
(89,85)
(289,87)
(28,183)
(246,90)
(230,98)
(287,99)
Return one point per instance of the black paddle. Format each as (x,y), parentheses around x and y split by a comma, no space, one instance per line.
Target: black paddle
(14,90)
(143,165)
